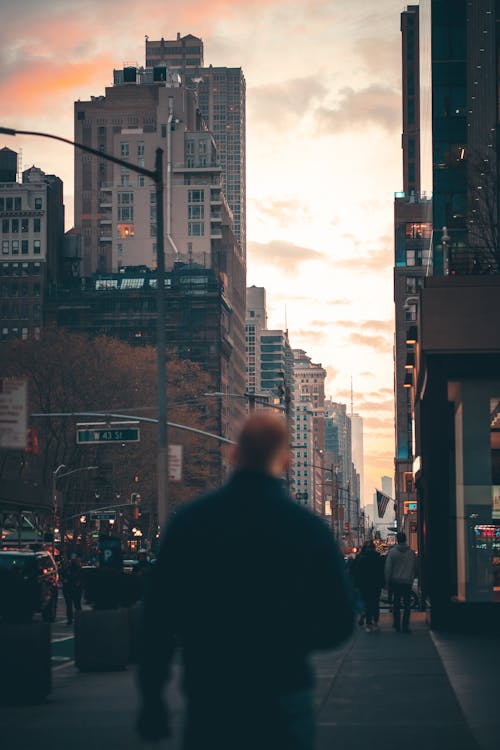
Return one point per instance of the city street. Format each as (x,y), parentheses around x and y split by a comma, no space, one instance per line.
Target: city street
(379,689)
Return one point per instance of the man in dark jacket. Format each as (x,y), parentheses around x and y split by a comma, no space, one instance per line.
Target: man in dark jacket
(249,584)
(369,579)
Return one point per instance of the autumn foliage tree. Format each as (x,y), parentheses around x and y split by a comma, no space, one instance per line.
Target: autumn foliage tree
(71,373)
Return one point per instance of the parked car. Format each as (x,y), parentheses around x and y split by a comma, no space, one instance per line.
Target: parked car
(28,584)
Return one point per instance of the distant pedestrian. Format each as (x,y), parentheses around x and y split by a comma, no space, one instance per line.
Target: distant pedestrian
(72,586)
(248,583)
(400,572)
(369,579)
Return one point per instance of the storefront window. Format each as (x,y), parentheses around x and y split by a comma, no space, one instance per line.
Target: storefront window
(477,465)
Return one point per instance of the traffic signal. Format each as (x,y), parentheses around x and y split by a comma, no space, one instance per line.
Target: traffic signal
(32,441)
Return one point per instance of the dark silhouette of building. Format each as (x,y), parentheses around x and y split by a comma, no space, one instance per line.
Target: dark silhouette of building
(31,239)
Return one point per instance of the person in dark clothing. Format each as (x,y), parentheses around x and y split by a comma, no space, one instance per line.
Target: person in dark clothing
(72,587)
(369,578)
(249,584)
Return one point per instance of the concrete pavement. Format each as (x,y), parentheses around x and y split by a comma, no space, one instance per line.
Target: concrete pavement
(379,690)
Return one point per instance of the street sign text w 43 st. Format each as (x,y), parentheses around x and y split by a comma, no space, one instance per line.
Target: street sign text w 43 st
(107,435)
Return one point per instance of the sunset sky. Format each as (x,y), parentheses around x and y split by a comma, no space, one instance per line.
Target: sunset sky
(323,154)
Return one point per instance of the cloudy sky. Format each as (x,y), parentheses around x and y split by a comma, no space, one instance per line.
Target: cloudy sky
(323,153)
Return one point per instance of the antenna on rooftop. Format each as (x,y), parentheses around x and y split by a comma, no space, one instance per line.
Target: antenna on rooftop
(352,399)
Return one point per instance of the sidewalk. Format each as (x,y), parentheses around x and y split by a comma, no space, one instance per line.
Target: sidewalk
(389,689)
(380,690)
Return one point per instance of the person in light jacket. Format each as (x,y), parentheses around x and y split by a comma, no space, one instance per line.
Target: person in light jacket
(400,572)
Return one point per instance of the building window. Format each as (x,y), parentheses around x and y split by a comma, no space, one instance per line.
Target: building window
(125,213)
(413,257)
(5,247)
(37,247)
(124,150)
(196,196)
(15,247)
(140,181)
(25,227)
(410,313)
(36,225)
(15,226)
(125,179)
(152,230)
(9,204)
(140,148)
(418,231)
(38,204)
(413,284)
(5,226)
(24,247)
(196,228)
(189,148)
(196,212)
(125,230)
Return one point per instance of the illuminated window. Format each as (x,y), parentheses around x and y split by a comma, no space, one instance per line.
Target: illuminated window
(125,230)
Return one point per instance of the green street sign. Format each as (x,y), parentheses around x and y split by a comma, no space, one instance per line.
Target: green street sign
(112,435)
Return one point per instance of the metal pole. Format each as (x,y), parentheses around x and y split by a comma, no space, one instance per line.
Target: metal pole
(162,465)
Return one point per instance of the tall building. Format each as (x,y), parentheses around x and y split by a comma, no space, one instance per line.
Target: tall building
(32,232)
(461,40)
(338,427)
(358,456)
(222,100)
(115,209)
(455,384)
(309,402)
(412,258)
(255,323)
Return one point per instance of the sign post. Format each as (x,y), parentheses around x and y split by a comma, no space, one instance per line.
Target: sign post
(13,413)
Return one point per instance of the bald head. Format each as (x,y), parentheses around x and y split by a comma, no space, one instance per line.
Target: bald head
(263,444)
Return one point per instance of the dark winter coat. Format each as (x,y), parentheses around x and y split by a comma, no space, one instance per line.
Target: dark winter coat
(249,583)
(369,571)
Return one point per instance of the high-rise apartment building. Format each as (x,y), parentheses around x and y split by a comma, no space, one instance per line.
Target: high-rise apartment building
(221,93)
(412,258)
(309,401)
(115,209)
(255,323)
(32,231)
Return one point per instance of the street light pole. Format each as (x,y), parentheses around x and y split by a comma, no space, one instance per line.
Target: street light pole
(57,474)
(156,176)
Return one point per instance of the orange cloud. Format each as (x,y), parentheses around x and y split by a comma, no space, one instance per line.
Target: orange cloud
(40,86)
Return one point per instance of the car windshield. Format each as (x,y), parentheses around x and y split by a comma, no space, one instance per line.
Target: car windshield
(13,561)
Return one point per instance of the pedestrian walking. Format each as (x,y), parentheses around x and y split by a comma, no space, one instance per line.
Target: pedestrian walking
(400,572)
(248,583)
(369,578)
(72,586)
